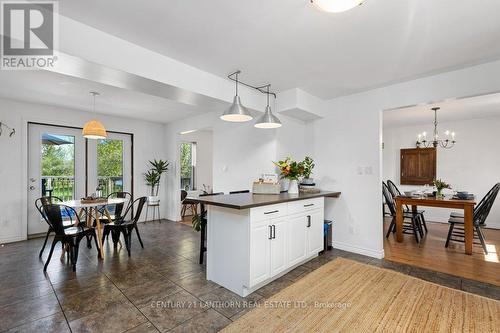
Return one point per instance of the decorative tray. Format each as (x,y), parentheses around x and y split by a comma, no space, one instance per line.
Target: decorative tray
(93,201)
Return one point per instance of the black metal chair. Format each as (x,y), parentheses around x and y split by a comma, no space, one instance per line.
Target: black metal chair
(187,203)
(396,192)
(69,237)
(39,203)
(126,227)
(203,231)
(456,232)
(410,221)
(118,208)
(238,192)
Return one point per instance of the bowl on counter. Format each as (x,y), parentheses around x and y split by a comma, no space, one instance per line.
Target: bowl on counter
(408,193)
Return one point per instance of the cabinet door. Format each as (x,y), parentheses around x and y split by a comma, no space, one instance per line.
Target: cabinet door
(279,255)
(259,252)
(315,231)
(297,244)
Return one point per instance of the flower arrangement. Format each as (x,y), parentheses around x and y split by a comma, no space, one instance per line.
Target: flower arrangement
(440,186)
(290,169)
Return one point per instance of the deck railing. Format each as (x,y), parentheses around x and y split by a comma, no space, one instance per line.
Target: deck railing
(64,187)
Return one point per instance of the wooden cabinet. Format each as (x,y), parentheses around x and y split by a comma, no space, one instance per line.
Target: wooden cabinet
(418,166)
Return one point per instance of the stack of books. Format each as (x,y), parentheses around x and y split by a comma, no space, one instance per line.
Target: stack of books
(308,188)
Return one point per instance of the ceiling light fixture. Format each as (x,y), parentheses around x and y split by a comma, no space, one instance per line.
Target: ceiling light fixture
(236,112)
(94,129)
(336,6)
(446,143)
(268,119)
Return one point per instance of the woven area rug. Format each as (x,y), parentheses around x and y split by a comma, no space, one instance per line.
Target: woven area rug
(348,296)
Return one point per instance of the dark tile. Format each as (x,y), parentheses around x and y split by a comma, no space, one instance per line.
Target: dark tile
(274,287)
(173,310)
(25,292)
(114,318)
(206,322)
(197,284)
(228,303)
(133,277)
(179,270)
(24,312)
(480,288)
(80,284)
(298,273)
(436,277)
(146,327)
(402,268)
(54,323)
(151,291)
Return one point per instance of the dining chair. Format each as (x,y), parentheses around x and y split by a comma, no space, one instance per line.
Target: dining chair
(456,231)
(203,231)
(238,192)
(187,203)
(117,209)
(69,237)
(410,220)
(396,192)
(39,203)
(126,227)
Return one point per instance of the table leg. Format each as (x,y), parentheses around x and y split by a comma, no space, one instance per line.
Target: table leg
(88,213)
(469,228)
(399,222)
(99,232)
(108,215)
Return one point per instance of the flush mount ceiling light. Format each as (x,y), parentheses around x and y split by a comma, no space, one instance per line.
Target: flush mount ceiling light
(236,112)
(268,119)
(94,129)
(336,6)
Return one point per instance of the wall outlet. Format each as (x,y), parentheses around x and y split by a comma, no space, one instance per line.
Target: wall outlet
(368,170)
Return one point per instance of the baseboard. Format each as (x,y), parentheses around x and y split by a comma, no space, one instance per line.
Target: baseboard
(358,250)
(12,239)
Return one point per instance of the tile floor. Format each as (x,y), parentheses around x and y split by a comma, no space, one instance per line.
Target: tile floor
(160,288)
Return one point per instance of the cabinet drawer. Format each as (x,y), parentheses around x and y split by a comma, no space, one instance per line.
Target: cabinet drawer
(305,205)
(267,212)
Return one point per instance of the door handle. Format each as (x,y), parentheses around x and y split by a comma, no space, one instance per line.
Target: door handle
(274,231)
(32,180)
(32,188)
(270,232)
(308,221)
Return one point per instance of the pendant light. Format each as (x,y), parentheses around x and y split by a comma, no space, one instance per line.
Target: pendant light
(94,129)
(336,6)
(236,112)
(268,119)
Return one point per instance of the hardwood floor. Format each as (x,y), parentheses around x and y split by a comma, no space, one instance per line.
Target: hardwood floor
(431,254)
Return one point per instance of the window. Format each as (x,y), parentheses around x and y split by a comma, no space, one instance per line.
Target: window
(110,166)
(188,166)
(58,166)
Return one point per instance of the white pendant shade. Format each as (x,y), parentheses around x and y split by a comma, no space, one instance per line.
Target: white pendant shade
(336,6)
(94,129)
(268,120)
(236,112)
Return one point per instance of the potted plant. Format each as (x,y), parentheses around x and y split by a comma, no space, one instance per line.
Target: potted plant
(153,177)
(308,165)
(440,186)
(291,170)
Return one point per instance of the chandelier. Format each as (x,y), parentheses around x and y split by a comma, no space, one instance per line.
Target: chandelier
(447,143)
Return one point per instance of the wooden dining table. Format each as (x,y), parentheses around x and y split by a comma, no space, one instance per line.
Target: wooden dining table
(92,210)
(447,202)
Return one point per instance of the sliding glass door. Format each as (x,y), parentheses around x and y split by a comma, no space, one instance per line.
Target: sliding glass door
(63,164)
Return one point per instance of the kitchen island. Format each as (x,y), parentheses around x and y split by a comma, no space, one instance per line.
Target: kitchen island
(253,239)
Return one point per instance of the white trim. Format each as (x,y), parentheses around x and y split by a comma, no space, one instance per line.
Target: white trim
(12,239)
(379,254)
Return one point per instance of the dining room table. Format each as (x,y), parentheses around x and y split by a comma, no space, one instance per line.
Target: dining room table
(91,210)
(467,205)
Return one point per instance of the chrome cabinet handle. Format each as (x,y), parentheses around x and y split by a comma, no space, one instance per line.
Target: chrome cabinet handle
(271,212)
(308,205)
(270,232)
(308,221)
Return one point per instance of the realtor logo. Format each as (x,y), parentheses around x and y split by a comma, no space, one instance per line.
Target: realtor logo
(28,34)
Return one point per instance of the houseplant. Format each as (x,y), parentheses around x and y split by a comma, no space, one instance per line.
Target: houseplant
(440,186)
(308,165)
(291,170)
(153,177)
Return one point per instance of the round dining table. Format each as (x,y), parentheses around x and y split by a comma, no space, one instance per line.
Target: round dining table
(92,209)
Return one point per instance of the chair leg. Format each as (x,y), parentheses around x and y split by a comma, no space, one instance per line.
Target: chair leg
(138,236)
(423,222)
(44,243)
(418,222)
(393,224)
(183,211)
(415,228)
(481,239)
(127,243)
(159,217)
(147,211)
(54,242)
(450,231)
(202,241)
(94,235)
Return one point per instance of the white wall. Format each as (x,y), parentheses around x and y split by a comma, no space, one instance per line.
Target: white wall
(472,165)
(204,156)
(349,139)
(148,144)
(241,152)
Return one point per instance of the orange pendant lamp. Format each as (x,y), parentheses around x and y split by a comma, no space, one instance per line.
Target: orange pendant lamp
(94,129)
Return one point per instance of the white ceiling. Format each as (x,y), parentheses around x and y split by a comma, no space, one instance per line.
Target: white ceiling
(467,108)
(292,44)
(65,91)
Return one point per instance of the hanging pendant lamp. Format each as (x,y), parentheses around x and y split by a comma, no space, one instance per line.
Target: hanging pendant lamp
(236,112)
(94,129)
(268,119)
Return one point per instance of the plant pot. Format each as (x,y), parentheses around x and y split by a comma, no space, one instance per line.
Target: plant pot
(307,181)
(293,188)
(153,199)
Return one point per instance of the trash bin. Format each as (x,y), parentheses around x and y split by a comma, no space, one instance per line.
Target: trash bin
(327,236)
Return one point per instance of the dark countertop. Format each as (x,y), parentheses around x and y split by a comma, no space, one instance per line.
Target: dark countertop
(249,200)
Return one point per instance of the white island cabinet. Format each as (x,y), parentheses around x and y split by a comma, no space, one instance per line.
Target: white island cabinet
(250,247)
